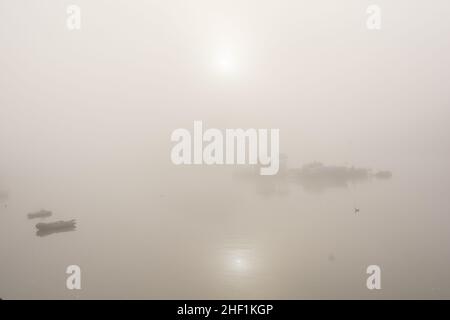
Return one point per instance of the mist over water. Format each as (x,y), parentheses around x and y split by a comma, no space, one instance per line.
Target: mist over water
(85,125)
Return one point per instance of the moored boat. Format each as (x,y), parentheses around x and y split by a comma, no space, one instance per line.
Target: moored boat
(56,225)
(39,214)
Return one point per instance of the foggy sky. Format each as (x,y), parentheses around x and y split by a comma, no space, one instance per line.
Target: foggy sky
(85,123)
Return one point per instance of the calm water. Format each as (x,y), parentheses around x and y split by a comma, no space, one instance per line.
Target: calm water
(222,238)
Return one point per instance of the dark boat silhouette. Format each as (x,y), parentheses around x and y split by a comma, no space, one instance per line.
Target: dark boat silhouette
(44,233)
(55,226)
(39,214)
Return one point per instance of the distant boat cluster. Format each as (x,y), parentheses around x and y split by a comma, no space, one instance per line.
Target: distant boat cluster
(314,177)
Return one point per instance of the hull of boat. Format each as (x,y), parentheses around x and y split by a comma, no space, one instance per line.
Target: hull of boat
(56,225)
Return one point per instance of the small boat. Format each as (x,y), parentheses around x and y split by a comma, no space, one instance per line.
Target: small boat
(39,214)
(56,225)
